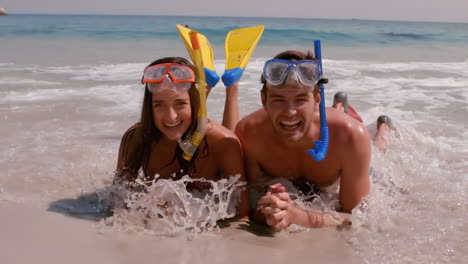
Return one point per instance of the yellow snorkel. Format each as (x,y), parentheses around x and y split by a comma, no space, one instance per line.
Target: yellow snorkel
(190,145)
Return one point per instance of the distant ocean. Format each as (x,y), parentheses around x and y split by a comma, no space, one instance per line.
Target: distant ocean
(69,88)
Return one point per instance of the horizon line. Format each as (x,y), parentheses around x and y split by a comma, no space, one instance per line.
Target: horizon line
(231,16)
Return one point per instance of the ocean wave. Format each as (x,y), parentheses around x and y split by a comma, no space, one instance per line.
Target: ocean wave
(18,81)
(90,33)
(413,36)
(298,35)
(453,68)
(111,93)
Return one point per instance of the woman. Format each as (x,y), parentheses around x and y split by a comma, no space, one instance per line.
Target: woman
(169,114)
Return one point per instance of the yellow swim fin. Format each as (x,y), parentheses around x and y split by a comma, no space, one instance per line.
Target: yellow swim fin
(206,51)
(240,44)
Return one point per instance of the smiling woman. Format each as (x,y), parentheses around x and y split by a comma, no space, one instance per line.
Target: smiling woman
(150,149)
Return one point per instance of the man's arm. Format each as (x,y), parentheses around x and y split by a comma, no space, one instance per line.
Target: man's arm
(355,181)
(280,212)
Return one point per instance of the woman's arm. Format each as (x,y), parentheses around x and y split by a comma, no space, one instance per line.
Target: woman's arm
(231,107)
(232,164)
(127,139)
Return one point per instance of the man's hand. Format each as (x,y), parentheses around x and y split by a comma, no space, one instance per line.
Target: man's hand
(280,213)
(277,207)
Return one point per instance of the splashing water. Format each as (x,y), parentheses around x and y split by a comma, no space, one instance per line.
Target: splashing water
(166,207)
(400,221)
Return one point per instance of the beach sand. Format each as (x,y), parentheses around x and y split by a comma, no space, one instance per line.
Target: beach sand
(34,235)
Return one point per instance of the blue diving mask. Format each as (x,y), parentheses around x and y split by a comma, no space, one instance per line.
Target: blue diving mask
(276,72)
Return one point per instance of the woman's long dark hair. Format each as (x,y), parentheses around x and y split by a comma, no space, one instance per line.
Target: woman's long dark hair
(138,141)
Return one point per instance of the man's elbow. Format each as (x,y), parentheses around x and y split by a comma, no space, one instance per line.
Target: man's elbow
(347,205)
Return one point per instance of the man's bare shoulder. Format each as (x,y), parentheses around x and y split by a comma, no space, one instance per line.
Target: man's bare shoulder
(345,128)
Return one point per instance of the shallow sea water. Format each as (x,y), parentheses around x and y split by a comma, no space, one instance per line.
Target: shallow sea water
(68,95)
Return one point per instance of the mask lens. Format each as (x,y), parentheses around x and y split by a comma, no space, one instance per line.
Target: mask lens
(167,83)
(178,73)
(181,73)
(275,72)
(173,76)
(308,73)
(155,73)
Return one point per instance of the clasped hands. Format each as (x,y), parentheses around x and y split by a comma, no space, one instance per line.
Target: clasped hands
(277,207)
(279,211)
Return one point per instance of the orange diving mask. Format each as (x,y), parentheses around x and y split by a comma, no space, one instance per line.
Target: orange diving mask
(173,76)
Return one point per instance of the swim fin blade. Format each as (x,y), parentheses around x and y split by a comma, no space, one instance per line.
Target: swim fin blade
(240,44)
(207,54)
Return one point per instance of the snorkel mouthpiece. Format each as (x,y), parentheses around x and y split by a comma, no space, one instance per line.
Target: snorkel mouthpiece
(320,149)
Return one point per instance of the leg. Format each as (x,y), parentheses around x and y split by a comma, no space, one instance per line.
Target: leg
(382,138)
(231,106)
(340,102)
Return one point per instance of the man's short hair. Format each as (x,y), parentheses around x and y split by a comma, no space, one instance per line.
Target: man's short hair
(295,55)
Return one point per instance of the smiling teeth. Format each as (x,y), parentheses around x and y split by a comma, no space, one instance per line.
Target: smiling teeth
(290,123)
(172,125)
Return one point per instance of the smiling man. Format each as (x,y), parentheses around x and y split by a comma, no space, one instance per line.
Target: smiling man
(276,137)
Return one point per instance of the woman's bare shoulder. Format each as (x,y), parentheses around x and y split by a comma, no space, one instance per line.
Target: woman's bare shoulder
(130,132)
(133,128)
(217,132)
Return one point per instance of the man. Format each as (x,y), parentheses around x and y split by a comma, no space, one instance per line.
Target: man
(276,137)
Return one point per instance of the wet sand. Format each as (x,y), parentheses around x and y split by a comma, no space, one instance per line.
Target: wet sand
(34,235)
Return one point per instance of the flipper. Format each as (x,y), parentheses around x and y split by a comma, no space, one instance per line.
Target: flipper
(207,54)
(240,44)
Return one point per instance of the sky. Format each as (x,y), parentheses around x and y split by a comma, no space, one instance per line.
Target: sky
(405,10)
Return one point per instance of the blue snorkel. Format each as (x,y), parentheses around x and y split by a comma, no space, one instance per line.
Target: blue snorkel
(321,146)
